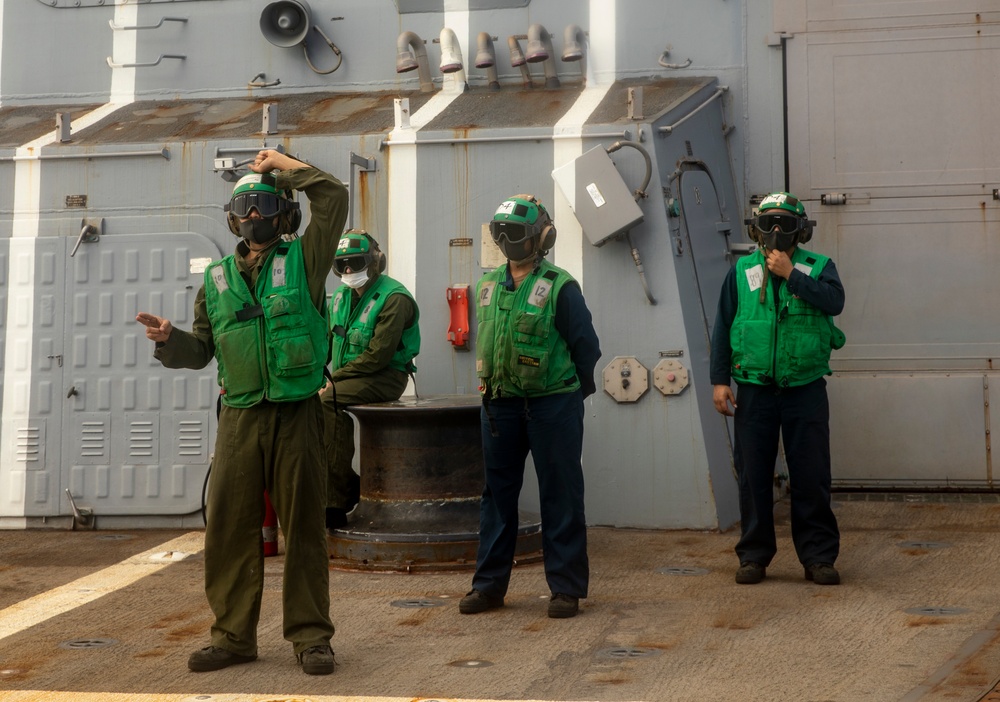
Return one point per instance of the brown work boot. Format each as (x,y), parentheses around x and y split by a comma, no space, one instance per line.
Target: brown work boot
(317,660)
(215,658)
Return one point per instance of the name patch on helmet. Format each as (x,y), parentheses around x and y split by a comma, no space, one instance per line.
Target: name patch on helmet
(523,360)
(506,207)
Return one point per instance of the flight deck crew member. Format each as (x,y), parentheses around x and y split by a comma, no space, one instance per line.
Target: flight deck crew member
(536,350)
(375,335)
(261,313)
(773,335)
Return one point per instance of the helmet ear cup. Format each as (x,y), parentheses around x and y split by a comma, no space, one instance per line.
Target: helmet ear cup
(294,220)
(547,239)
(234,223)
(807,231)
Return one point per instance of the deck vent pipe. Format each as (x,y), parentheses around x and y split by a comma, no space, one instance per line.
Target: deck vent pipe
(539,50)
(407,60)
(451,60)
(486,57)
(574,41)
(517,58)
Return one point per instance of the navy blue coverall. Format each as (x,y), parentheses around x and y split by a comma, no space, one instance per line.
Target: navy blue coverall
(551,428)
(802,415)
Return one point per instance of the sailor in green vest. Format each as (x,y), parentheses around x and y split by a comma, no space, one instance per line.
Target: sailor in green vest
(261,314)
(536,350)
(773,335)
(375,335)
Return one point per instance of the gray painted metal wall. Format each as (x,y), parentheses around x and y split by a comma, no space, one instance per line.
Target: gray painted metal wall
(891,127)
(145,139)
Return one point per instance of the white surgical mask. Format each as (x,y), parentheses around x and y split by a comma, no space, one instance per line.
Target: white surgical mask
(355,280)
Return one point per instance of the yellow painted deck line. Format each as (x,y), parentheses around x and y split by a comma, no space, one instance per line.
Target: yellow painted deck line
(37,609)
(47,696)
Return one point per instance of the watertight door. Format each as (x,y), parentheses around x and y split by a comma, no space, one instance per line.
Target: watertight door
(137,435)
(32,280)
(892,142)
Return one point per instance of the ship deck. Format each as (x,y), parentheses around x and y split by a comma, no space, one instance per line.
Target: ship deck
(102,616)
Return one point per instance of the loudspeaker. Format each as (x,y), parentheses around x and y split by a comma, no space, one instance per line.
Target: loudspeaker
(285,23)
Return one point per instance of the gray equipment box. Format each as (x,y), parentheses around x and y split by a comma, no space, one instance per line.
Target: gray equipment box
(598,195)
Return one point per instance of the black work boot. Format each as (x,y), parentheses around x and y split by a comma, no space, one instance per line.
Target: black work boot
(563,606)
(215,658)
(476,602)
(822,574)
(750,573)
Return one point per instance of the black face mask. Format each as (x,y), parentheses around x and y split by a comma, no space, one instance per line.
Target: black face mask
(517,252)
(780,241)
(259,231)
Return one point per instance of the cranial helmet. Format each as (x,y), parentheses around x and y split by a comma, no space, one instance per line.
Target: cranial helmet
(521,226)
(357,250)
(258,191)
(785,212)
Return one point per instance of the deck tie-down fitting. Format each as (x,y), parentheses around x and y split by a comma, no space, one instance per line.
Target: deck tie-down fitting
(83,517)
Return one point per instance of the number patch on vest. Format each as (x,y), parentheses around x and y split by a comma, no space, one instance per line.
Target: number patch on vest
(278,272)
(755,277)
(219,277)
(540,293)
(486,294)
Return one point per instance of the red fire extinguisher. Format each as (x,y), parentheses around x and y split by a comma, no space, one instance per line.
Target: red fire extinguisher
(458,304)
(270,528)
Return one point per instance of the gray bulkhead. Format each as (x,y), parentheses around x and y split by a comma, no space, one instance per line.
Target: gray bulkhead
(133,439)
(85,407)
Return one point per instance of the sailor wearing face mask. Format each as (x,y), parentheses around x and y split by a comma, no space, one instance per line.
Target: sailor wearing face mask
(773,335)
(376,335)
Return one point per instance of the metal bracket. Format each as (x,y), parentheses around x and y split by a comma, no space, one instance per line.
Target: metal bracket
(90,233)
(122,27)
(662,62)
(145,65)
(83,517)
(366,164)
(260,81)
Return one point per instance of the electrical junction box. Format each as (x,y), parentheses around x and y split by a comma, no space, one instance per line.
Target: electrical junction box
(598,195)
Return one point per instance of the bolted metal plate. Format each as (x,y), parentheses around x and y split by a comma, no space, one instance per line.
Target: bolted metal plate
(682,570)
(936,611)
(628,652)
(470,664)
(88,643)
(924,544)
(416,604)
(670,376)
(625,379)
